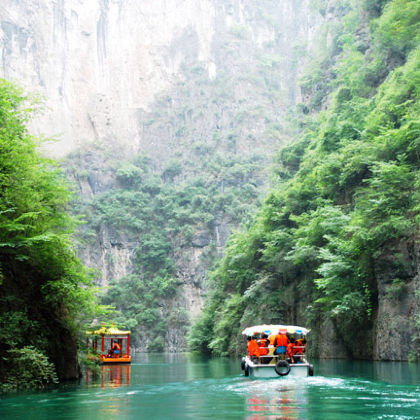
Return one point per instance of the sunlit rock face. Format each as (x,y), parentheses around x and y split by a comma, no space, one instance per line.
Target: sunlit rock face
(100,63)
(130,76)
(115,74)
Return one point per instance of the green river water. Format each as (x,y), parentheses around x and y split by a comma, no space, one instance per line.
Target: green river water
(192,387)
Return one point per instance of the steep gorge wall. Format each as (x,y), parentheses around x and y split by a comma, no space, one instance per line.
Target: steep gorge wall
(176,80)
(291,263)
(392,333)
(180,81)
(99,64)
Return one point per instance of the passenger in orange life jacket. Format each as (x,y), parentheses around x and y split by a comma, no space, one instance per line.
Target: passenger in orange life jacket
(263,346)
(281,343)
(272,339)
(302,344)
(253,349)
(291,351)
(116,349)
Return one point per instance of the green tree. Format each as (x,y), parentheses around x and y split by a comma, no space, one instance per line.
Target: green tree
(45,291)
(347,190)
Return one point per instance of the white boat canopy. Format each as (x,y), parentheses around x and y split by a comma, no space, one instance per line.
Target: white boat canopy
(274,329)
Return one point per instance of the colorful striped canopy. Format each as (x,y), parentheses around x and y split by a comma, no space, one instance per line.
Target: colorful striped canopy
(274,329)
(108,331)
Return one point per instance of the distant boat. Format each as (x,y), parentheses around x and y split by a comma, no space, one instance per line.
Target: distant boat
(114,345)
(276,362)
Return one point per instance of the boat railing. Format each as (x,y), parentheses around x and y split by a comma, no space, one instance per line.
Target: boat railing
(262,360)
(298,357)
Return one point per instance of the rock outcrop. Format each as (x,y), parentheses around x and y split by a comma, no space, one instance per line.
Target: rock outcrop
(168,79)
(100,64)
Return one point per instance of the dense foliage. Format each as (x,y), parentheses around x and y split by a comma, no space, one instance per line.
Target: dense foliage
(29,368)
(162,214)
(347,189)
(206,146)
(44,288)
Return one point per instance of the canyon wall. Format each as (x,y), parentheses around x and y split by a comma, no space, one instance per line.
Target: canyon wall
(99,64)
(167,79)
(203,89)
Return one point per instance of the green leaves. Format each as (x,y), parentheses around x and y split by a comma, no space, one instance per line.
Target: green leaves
(45,290)
(348,186)
(30,368)
(399,27)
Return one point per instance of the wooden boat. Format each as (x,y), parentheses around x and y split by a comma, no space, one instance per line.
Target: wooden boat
(275,365)
(105,339)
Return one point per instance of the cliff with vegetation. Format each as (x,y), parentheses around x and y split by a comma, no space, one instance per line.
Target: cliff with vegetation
(172,112)
(45,291)
(335,243)
(100,64)
(169,115)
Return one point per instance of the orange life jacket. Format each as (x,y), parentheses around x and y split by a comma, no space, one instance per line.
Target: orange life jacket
(291,351)
(299,344)
(281,340)
(272,339)
(253,348)
(116,346)
(263,346)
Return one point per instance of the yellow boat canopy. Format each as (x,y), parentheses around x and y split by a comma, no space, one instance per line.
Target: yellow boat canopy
(274,329)
(107,331)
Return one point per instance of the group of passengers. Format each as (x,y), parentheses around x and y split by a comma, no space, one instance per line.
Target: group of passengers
(286,347)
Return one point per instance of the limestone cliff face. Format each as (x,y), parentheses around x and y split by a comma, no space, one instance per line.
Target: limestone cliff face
(100,63)
(166,78)
(391,333)
(395,334)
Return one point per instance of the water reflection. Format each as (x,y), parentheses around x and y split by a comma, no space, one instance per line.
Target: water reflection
(271,399)
(111,376)
(180,387)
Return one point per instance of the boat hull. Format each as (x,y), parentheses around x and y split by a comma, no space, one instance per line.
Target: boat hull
(113,361)
(299,370)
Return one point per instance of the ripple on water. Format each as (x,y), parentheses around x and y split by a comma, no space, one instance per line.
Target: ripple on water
(221,391)
(322,397)
(279,385)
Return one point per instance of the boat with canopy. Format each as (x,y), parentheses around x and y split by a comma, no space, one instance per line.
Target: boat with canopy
(109,345)
(271,361)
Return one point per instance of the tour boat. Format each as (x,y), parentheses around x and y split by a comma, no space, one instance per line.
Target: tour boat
(108,337)
(277,365)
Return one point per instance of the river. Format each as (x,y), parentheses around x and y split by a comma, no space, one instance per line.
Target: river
(177,386)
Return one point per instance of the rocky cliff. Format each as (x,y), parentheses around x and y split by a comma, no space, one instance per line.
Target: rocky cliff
(100,64)
(335,243)
(202,88)
(393,333)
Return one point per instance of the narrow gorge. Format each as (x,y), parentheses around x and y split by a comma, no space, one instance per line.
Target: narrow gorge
(167,117)
(179,122)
